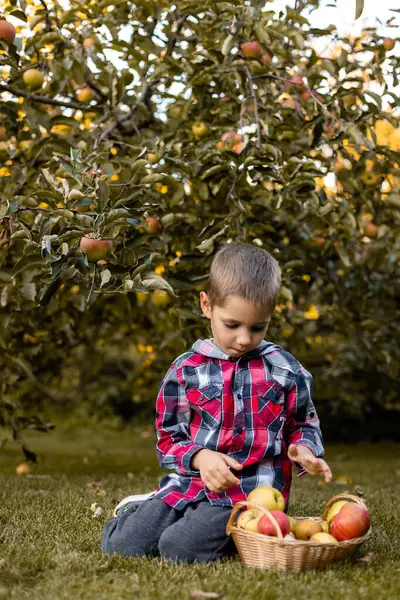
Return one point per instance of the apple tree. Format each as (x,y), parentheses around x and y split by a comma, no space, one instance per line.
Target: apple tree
(136,137)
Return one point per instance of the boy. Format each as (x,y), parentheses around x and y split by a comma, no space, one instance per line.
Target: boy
(233,413)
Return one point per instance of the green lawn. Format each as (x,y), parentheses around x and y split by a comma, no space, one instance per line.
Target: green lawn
(50,542)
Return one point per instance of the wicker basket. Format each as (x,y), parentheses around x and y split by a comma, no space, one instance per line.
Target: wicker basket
(267,552)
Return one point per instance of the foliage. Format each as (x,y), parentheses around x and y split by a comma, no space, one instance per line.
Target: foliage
(135,98)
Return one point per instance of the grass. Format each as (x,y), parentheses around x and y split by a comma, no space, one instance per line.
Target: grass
(50,542)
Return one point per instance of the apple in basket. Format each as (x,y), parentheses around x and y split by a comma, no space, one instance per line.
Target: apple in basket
(351,522)
(266,526)
(268,497)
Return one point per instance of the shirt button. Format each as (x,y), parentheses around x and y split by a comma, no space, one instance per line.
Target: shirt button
(240,429)
(239,396)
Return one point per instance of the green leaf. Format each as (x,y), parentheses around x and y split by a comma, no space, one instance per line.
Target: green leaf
(359,8)
(153,281)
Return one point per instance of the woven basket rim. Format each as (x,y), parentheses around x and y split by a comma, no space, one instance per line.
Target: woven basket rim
(306,543)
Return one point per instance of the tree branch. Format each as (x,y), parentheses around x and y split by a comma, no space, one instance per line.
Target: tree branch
(46,100)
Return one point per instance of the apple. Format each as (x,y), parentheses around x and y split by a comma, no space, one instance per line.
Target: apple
(334,509)
(245,517)
(325,526)
(88,42)
(370,178)
(306,528)
(7,32)
(230,138)
(199,129)
(252,525)
(160,298)
(266,527)
(238,148)
(33,79)
(152,157)
(153,224)
(319,240)
(251,49)
(293,524)
(268,497)
(266,58)
(85,94)
(371,230)
(95,248)
(22,469)
(389,43)
(351,522)
(296,82)
(323,538)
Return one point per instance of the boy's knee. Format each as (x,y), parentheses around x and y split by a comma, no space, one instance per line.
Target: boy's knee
(177,548)
(123,541)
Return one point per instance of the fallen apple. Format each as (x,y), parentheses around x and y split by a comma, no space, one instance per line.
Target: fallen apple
(268,497)
(266,526)
(306,528)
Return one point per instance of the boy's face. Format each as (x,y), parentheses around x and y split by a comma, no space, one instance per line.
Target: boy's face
(238,326)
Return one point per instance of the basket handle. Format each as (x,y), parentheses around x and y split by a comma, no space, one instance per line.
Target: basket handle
(239,505)
(355,499)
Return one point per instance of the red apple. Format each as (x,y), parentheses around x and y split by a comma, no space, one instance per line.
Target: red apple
(94,248)
(389,44)
(351,522)
(297,82)
(153,224)
(7,31)
(251,49)
(266,527)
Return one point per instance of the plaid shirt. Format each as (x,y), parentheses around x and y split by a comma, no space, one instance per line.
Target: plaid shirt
(250,408)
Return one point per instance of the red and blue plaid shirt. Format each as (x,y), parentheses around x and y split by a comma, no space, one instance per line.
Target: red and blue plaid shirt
(250,408)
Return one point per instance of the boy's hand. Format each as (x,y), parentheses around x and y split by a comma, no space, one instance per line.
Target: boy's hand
(312,464)
(214,472)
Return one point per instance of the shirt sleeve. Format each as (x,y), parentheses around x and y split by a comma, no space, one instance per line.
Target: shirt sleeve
(302,423)
(175,448)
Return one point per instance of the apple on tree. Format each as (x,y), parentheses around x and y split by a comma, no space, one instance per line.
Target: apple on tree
(7,31)
(251,49)
(95,248)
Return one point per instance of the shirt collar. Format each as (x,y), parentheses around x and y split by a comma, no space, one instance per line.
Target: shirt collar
(208,348)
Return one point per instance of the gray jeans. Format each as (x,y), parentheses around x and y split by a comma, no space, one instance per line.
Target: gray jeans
(152,528)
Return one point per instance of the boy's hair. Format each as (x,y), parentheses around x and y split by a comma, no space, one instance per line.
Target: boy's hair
(245,271)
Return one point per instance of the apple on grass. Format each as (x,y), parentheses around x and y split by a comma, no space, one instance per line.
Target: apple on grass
(268,497)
